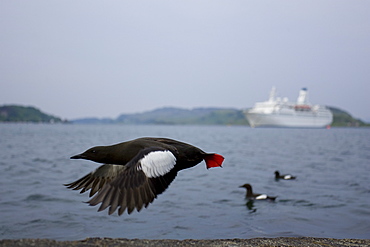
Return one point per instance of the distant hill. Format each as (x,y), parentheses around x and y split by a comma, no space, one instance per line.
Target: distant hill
(171,115)
(16,113)
(204,116)
(344,119)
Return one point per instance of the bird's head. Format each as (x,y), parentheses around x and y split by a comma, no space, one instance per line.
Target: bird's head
(97,154)
(247,186)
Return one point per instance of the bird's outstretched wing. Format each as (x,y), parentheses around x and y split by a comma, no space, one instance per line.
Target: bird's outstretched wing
(135,185)
(97,179)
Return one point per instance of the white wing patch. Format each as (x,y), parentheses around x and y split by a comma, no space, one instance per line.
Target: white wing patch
(261,197)
(157,163)
(287,176)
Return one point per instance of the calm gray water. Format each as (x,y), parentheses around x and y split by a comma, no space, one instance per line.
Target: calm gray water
(330,197)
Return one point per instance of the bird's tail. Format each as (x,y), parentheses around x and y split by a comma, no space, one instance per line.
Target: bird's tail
(213,160)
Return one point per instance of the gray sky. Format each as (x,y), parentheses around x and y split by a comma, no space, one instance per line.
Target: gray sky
(90,58)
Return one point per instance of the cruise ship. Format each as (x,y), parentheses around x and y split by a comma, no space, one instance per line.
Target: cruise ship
(277,112)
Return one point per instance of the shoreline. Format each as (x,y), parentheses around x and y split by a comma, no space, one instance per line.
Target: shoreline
(280,241)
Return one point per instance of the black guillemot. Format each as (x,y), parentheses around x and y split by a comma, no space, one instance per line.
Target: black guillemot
(251,196)
(136,171)
(285,176)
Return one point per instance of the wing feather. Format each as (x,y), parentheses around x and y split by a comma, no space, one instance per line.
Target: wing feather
(114,201)
(122,202)
(96,179)
(130,201)
(107,200)
(98,198)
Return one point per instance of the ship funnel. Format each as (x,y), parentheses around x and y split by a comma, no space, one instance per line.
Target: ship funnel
(303,97)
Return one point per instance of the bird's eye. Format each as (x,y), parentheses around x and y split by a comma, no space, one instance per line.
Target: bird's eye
(93,151)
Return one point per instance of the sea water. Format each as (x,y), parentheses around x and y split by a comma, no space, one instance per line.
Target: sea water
(329,198)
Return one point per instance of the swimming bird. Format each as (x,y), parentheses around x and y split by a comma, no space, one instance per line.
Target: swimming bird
(251,196)
(286,176)
(135,172)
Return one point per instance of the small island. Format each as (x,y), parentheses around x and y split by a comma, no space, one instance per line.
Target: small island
(26,114)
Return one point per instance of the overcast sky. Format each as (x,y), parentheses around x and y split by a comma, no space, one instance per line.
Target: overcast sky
(77,59)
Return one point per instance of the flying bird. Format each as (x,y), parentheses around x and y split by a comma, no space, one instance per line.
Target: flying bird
(285,176)
(135,172)
(251,196)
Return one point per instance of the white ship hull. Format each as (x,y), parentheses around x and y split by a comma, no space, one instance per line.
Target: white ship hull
(287,120)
